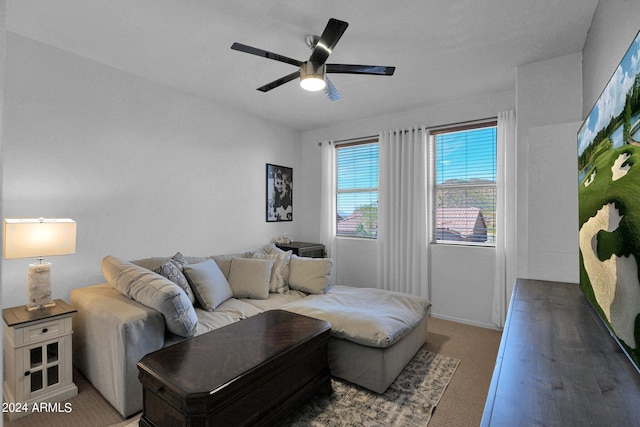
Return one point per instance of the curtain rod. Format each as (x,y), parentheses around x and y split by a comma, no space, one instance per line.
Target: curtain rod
(468,122)
(350,140)
(433,128)
(362,138)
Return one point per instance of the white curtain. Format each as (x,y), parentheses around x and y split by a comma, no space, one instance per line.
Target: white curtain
(402,211)
(505,214)
(328,204)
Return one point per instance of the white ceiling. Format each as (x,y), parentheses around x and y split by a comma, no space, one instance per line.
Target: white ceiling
(443,50)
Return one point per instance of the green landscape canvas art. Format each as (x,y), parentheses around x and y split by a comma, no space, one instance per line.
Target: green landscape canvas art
(609,203)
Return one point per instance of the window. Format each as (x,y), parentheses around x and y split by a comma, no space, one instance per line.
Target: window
(464,193)
(357,189)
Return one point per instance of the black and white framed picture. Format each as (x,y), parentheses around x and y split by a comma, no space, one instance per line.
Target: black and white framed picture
(279,193)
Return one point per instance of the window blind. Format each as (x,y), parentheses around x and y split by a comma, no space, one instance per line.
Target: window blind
(357,189)
(465,184)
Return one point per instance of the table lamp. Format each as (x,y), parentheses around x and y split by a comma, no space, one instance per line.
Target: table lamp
(39,237)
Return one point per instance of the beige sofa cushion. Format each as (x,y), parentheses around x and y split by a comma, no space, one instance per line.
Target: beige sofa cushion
(250,277)
(310,275)
(275,301)
(154,291)
(224,262)
(155,262)
(279,282)
(230,311)
(209,285)
(367,316)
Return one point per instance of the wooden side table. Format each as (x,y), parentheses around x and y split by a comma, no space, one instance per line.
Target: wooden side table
(37,357)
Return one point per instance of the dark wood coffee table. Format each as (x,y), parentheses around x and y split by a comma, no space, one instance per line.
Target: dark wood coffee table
(252,372)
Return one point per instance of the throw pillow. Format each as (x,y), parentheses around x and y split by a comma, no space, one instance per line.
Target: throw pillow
(208,284)
(152,290)
(155,262)
(279,282)
(270,249)
(178,258)
(150,263)
(250,277)
(224,262)
(310,275)
(172,271)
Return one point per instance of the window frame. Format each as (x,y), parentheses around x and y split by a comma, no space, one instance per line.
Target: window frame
(434,186)
(342,145)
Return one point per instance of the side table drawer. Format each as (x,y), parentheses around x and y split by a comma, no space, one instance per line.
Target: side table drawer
(40,331)
(43,331)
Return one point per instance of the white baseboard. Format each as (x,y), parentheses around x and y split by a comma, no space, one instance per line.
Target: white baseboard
(466,321)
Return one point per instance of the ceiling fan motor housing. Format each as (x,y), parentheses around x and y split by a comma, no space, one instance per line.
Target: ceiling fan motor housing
(312,76)
(312,41)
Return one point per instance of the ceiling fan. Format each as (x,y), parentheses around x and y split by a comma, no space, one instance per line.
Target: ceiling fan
(312,73)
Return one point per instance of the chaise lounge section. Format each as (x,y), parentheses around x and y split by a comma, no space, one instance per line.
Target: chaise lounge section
(375,333)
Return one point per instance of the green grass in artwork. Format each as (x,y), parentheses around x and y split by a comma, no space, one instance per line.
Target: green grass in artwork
(624,193)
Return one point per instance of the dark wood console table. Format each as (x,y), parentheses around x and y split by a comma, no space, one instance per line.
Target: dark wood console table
(558,365)
(252,372)
(305,249)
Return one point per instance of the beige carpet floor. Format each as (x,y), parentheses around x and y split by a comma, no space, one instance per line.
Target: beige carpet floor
(461,405)
(88,409)
(476,348)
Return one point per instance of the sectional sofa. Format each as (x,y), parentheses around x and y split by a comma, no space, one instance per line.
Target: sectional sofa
(151,303)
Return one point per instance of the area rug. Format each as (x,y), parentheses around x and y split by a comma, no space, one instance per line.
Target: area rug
(408,402)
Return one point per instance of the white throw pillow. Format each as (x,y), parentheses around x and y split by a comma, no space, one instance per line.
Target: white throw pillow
(209,285)
(270,249)
(310,275)
(250,277)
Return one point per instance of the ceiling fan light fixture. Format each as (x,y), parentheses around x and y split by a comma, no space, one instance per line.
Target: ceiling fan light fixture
(312,72)
(312,76)
(312,83)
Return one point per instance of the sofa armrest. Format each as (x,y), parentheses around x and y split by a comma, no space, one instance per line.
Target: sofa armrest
(111,334)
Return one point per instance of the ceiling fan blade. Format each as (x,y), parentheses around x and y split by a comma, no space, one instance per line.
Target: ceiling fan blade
(282,80)
(265,54)
(360,69)
(328,40)
(331,91)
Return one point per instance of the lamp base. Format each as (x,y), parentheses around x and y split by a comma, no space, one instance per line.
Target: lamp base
(33,307)
(39,286)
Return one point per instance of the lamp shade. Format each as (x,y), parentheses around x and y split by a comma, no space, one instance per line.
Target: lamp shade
(39,237)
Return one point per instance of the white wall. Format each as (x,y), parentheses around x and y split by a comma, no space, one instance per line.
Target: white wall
(144,169)
(549,103)
(614,25)
(553,203)
(463,294)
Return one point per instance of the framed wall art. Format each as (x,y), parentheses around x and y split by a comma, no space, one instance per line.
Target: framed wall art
(279,193)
